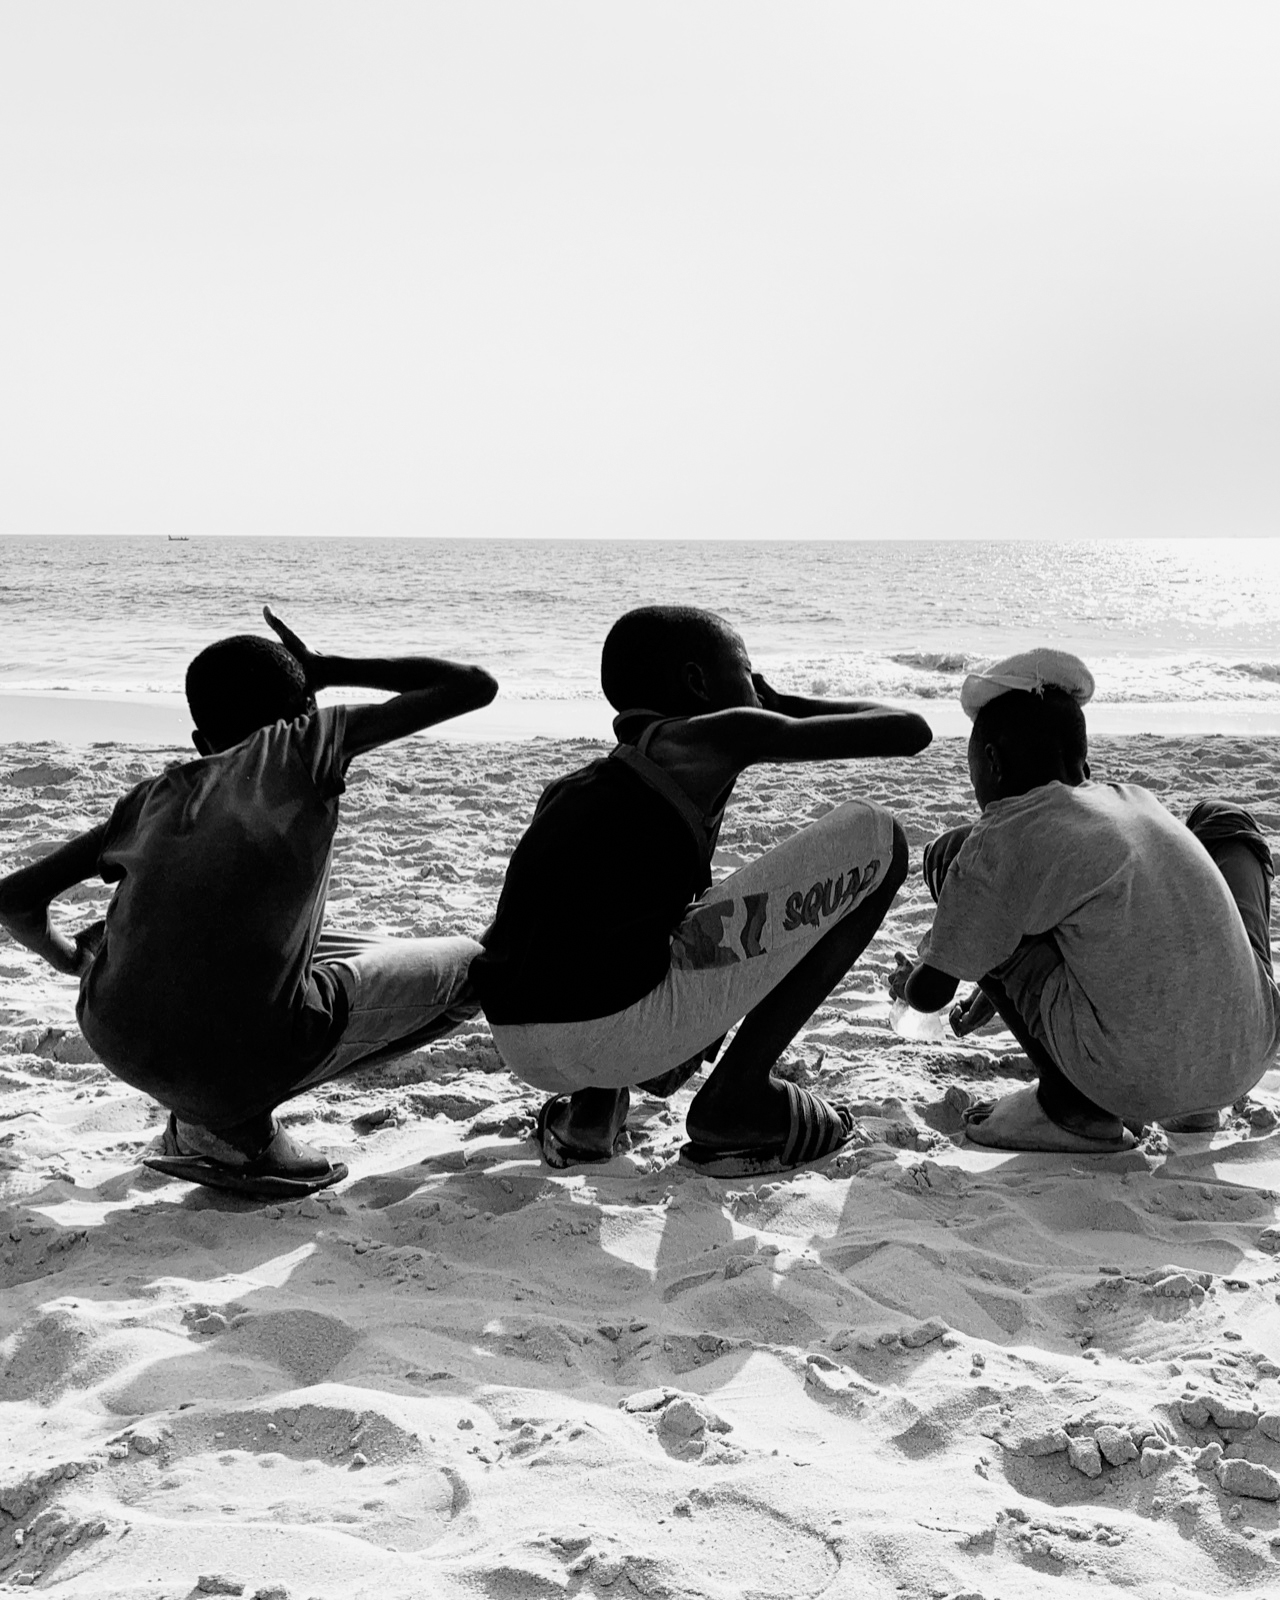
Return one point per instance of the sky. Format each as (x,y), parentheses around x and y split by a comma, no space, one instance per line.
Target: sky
(640,269)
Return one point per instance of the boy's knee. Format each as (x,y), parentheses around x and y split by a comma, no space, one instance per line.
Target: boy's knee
(1221,818)
(1220,824)
(940,853)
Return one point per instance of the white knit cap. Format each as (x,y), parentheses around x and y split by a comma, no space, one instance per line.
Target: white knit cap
(1033,671)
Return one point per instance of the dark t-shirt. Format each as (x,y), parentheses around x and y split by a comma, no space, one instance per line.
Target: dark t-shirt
(602,877)
(202,994)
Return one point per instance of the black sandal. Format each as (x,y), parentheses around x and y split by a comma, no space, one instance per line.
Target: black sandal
(284,1169)
(558,1153)
(818,1129)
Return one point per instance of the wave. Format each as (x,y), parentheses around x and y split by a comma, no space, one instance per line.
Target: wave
(937,660)
(540,672)
(930,675)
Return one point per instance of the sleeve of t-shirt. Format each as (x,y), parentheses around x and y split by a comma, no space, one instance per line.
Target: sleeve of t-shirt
(120,825)
(319,740)
(985,906)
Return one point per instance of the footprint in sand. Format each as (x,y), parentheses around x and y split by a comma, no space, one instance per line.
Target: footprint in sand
(31,1247)
(712,1541)
(283,1467)
(254,1353)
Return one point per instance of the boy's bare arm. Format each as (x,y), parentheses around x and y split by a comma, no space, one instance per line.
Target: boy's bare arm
(705,753)
(923,987)
(803,705)
(427,689)
(25,896)
(727,742)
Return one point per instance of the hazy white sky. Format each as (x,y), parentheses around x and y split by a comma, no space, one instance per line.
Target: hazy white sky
(640,269)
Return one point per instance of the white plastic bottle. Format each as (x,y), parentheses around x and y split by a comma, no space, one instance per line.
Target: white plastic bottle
(930,1027)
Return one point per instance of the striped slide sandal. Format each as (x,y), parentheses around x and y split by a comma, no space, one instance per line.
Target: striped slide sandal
(818,1129)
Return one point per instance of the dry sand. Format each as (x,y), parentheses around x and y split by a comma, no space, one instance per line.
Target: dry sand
(925,1370)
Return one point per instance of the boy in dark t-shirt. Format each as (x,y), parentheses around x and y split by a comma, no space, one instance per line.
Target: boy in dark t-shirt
(210,985)
(612,961)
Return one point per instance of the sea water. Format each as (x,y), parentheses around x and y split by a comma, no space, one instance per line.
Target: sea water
(1192,623)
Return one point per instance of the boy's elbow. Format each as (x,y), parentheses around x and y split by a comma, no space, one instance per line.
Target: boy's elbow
(481,687)
(12,900)
(917,735)
(928,989)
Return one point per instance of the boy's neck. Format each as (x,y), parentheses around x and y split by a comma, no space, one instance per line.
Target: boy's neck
(1069,777)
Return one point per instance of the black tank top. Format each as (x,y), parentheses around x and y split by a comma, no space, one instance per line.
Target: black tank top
(596,887)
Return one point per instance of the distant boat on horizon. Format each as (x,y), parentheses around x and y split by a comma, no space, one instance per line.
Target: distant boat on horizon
(179,538)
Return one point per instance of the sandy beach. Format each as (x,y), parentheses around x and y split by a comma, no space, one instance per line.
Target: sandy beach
(923,1370)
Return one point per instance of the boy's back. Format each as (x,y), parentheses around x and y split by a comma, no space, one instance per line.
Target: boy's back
(202,982)
(1158,986)
(613,857)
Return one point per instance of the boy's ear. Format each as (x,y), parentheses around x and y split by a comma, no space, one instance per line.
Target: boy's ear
(201,743)
(695,680)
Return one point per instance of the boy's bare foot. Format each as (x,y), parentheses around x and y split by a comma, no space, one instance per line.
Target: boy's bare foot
(1019,1122)
(234,1147)
(727,1116)
(583,1126)
(815,1129)
(259,1159)
(1193,1122)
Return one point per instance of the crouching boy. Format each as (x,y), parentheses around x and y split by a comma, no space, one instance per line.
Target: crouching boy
(211,985)
(1128,953)
(612,961)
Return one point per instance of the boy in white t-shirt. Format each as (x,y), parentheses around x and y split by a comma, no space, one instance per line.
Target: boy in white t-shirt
(1128,953)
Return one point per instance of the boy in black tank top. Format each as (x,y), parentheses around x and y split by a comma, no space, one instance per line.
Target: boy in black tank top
(613,961)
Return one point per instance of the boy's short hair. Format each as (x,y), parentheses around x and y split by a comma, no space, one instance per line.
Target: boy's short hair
(244,683)
(646,648)
(1037,730)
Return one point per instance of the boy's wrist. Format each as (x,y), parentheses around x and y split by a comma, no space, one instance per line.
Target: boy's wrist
(63,953)
(33,929)
(321,672)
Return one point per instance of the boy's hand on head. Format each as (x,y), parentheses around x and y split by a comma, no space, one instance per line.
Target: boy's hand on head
(769,698)
(306,658)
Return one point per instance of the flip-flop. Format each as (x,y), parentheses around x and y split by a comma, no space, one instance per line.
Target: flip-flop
(818,1129)
(558,1153)
(286,1169)
(976,1115)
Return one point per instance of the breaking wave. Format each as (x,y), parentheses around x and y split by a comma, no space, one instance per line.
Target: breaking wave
(937,660)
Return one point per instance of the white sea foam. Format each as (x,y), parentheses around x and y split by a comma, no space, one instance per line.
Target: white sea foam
(1174,622)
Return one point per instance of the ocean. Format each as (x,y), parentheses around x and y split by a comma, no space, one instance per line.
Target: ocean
(1177,623)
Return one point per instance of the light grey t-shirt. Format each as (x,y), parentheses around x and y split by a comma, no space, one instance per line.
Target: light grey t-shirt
(1160,1004)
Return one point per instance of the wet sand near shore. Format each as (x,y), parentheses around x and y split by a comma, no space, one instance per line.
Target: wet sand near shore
(921,1369)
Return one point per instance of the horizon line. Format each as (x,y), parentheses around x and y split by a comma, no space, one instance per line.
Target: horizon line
(712,538)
